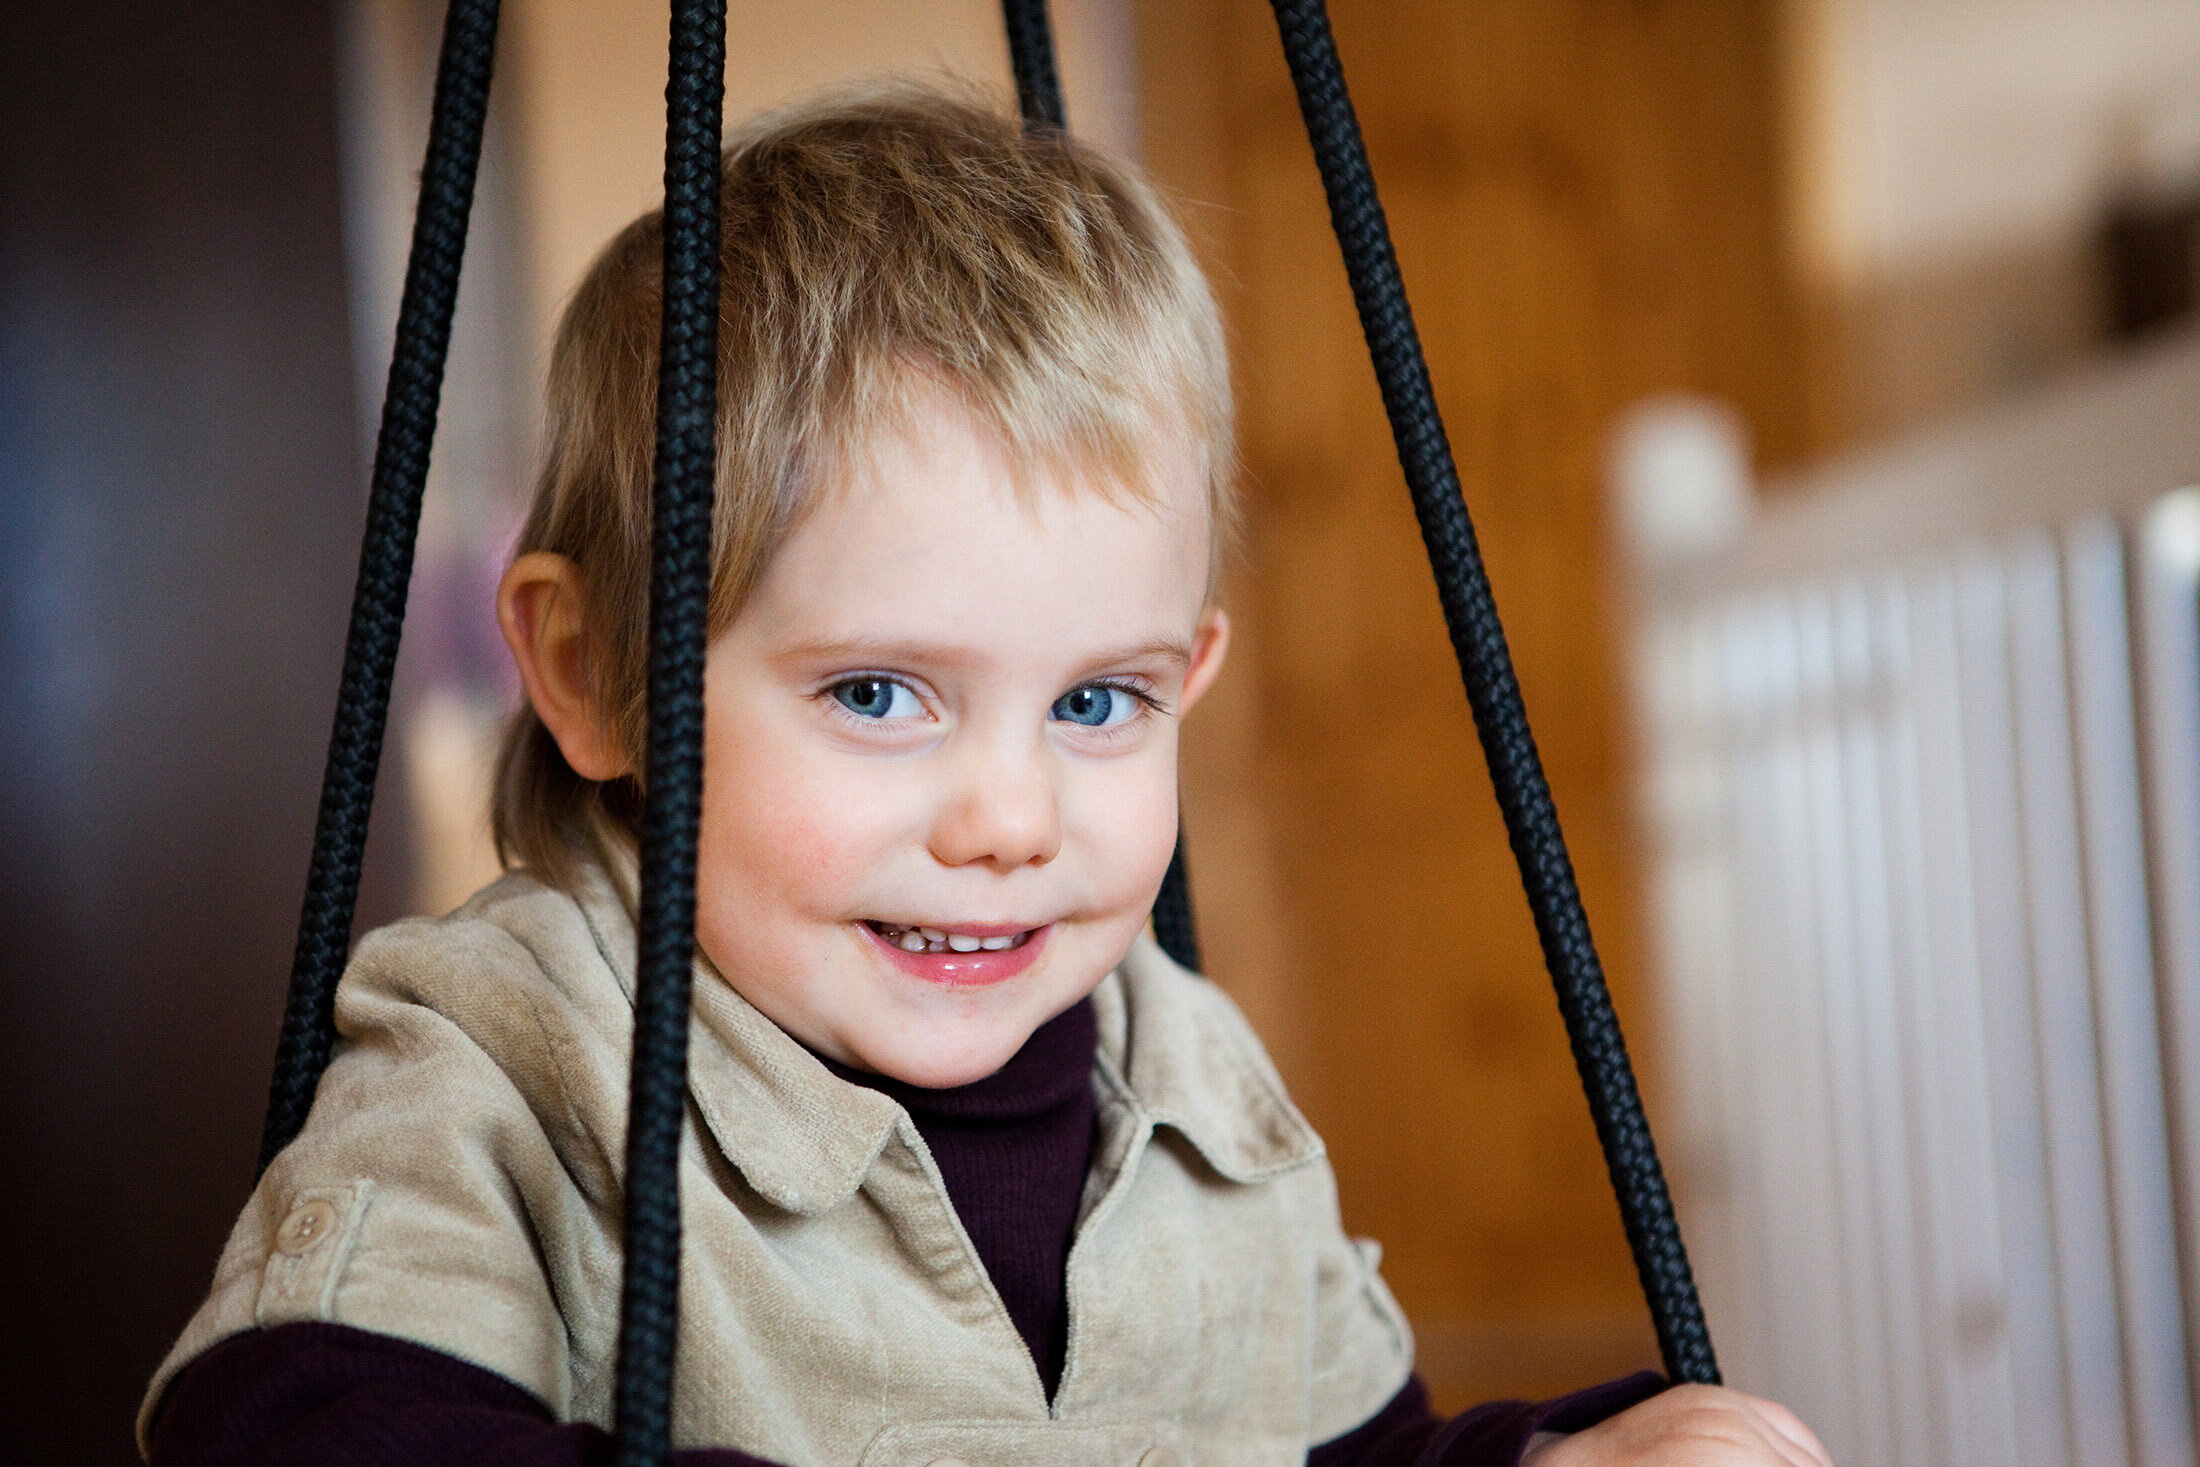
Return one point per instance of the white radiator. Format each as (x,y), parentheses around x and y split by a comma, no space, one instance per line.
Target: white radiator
(1922,772)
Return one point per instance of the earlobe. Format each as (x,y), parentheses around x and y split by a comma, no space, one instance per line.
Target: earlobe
(1210,643)
(539,608)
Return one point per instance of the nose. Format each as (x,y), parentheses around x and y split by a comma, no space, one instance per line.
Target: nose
(1004,811)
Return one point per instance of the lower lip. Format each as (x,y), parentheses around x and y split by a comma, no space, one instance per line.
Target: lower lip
(952,969)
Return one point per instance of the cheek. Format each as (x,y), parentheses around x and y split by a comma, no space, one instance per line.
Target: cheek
(788,827)
(1126,819)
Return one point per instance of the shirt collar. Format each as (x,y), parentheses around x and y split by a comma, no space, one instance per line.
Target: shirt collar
(1180,1052)
(1171,1046)
(799,1135)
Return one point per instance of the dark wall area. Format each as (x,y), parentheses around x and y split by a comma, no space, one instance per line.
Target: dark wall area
(179,507)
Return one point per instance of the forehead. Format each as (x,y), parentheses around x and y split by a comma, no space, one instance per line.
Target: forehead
(932,525)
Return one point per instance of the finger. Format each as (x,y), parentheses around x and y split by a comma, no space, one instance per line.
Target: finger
(1788,1428)
(1791,1427)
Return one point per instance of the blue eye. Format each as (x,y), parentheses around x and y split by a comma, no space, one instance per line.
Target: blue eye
(1095,705)
(876,697)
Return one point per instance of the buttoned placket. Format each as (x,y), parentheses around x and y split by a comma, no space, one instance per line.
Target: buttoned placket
(908,1186)
(1125,1128)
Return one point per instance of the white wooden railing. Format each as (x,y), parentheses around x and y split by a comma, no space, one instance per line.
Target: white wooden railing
(1921,774)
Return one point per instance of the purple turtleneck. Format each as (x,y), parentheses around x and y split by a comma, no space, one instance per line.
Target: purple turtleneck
(1013,1150)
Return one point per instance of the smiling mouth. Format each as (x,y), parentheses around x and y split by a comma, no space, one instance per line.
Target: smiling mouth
(942,940)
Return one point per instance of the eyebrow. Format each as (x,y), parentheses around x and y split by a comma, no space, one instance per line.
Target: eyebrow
(885,652)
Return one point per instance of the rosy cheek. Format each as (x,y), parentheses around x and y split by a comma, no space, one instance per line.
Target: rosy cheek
(1130,828)
(813,834)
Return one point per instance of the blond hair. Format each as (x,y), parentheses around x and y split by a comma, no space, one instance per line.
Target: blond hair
(871,242)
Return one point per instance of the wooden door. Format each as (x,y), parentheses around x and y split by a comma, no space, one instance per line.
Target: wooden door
(1585,199)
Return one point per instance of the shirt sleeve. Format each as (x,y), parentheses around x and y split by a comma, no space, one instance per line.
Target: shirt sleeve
(1363,1347)
(328,1395)
(1406,1433)
(440,1181)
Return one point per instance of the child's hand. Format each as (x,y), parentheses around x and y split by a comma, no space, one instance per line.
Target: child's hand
(1690,1426)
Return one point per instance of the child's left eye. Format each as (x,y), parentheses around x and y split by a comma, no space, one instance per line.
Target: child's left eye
(1095,705)
(876,698)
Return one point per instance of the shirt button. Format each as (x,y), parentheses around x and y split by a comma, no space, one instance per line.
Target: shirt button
(1159,1457)
(307,1225)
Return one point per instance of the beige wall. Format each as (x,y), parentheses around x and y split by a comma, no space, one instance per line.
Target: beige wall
(1949,161)
(1935,129)
(589,79)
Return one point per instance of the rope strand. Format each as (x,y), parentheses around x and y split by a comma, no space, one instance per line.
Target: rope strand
(1173,927)
(1500,717)
(1031,57)
(679,590)
(385,566)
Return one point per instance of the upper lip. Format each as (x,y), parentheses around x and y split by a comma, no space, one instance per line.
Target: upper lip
(967,929)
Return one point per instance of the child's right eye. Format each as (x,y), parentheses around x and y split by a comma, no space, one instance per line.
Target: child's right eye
(876,697)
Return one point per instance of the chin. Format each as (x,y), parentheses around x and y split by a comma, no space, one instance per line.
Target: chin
(962,1060)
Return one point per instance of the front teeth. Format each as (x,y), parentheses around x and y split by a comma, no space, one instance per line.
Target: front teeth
(935,940)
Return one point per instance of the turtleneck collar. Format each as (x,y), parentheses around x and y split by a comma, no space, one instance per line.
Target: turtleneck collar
(1053,1068)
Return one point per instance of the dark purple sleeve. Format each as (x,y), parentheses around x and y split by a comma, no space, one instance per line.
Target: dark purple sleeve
(327,1395)
(1406,1433)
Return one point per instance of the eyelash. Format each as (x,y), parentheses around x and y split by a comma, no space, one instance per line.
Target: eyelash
(852,719)
(1148,703)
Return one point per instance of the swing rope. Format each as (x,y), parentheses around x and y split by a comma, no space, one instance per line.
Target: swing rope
(1500,717)
(1039,96)
(385,565)
(679,598)
(1172,911)
(1031,58)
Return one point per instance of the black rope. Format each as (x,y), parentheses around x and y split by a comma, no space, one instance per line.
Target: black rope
(1031,57)
(385,566)
(1172,911)
(1531,819)
(679,594)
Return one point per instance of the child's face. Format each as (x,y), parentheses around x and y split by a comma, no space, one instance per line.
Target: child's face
(946,707)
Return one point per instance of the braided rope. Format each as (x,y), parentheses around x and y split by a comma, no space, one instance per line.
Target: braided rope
(1173,927)
(385,566)
(1031,57)
(679,590)
(1470,613)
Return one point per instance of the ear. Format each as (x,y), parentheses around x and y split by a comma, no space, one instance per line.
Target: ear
(539,606)
(1209,643)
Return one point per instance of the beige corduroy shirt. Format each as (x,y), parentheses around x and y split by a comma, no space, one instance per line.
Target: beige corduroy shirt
(458,1185)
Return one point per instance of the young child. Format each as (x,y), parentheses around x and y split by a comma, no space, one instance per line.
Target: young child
(973,1173)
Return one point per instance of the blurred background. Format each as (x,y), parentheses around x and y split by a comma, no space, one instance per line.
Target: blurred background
(1814,369)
